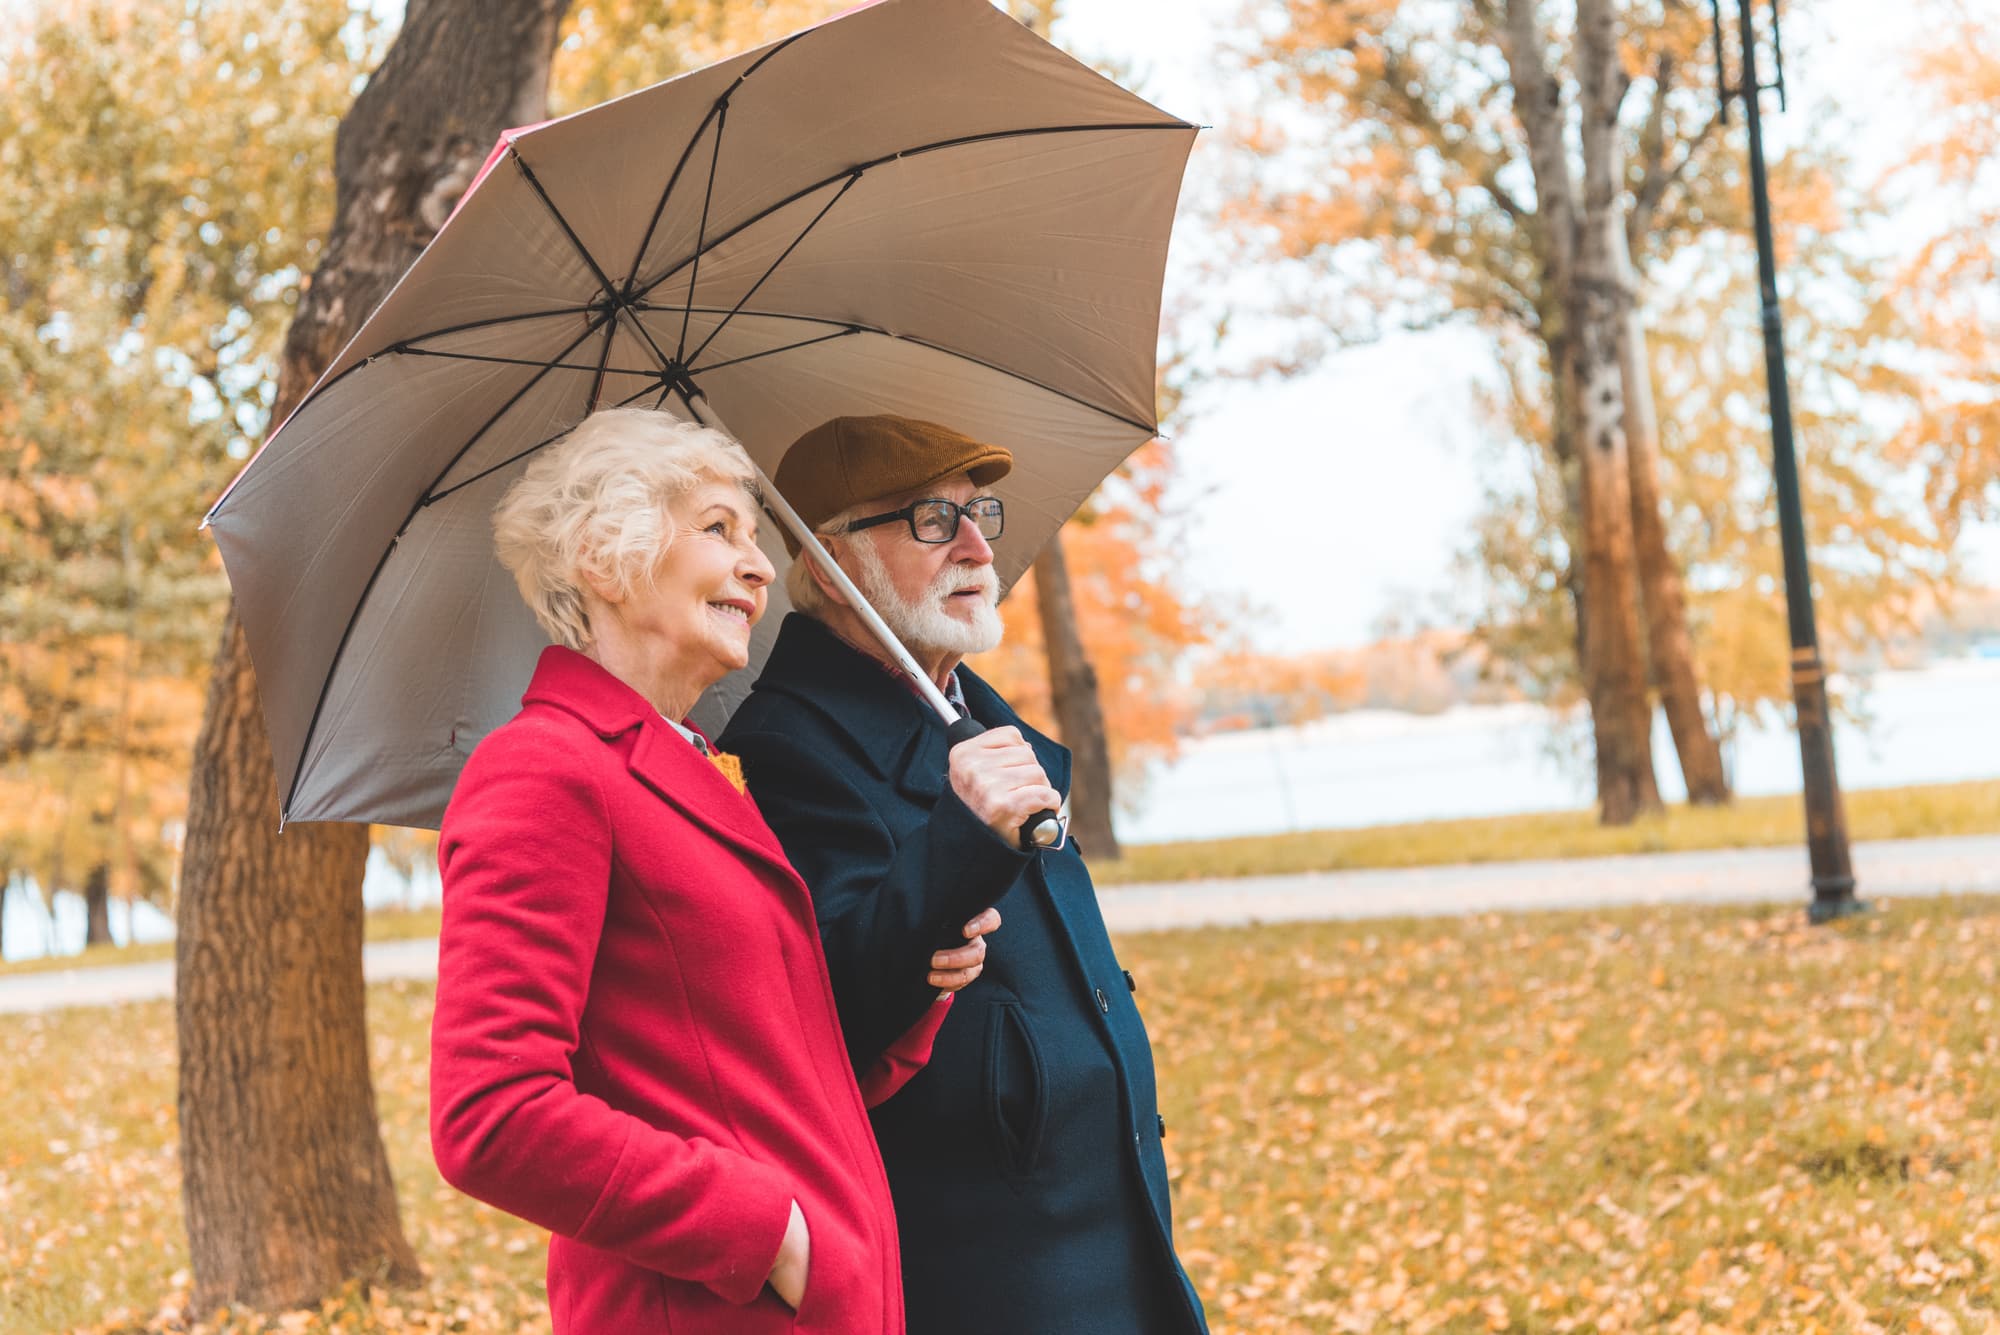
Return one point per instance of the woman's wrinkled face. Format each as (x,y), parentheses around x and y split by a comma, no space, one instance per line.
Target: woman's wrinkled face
(709,589)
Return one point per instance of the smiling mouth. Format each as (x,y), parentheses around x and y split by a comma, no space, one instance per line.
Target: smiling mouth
(733,611)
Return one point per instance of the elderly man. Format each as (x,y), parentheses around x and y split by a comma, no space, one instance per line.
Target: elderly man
(1025,1160)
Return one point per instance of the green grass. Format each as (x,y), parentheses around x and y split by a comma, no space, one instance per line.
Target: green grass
(1751,822)
(1671,1119)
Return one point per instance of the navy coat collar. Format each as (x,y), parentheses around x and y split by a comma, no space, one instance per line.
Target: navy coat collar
(893,730)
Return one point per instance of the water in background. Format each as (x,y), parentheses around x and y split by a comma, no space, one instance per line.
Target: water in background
(30,931)
(1940,724)
(1370,767)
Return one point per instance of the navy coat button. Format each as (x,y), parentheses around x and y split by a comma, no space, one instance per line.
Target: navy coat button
(1135,1140)
(1103,1002)
(1131,983)
(1163,1123)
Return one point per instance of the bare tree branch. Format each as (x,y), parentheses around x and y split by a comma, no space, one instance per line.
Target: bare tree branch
(1538,102)
(1655,185)
(1401,87)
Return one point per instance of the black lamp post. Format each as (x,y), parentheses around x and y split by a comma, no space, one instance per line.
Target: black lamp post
(1826,820)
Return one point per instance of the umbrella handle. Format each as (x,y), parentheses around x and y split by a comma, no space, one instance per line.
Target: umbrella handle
(1041,830)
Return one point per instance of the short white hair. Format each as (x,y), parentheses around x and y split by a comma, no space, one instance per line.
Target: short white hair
(800,586)
(595,502)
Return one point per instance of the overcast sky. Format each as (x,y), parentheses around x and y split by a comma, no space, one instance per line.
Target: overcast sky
(1340,497)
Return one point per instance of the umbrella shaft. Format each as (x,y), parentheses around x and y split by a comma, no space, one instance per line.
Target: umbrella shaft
(810,547)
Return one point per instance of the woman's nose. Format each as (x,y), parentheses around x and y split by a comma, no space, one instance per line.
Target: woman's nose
(756,569)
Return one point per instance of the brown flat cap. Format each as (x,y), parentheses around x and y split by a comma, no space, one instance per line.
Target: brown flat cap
(849,460)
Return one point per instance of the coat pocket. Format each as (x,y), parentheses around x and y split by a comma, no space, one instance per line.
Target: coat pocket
(1017,1088)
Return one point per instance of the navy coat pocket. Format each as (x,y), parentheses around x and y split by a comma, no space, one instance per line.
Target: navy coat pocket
(1017,1089)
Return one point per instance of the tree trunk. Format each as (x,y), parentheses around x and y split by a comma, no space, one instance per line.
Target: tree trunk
(1563,445)
(121,825)
(1073,693)
(285,1183)
(1072,680)
(1583,342)
(97,906)
(58,872)
(1598,301)
(1668,643)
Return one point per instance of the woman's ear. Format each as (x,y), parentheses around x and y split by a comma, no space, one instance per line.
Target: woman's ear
(599,587)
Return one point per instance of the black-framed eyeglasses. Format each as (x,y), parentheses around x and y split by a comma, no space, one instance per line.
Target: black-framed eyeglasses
(936,519)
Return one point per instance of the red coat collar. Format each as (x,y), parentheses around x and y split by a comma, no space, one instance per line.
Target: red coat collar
(580,686)
(564,679)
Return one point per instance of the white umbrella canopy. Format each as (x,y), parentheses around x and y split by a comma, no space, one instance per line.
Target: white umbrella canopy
(919,207)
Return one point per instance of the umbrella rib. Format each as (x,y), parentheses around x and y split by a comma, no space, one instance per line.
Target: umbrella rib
(659,210)
(1077,399)
(613,301)
(625,402)
(826,209)
(381,563)
(647,334)
(437,496)
(543,443)
(493,320)
(600,369)
(603,360)
(855,327)
(701,234)
(520,165)
(320,389)
(772,352)
(858,169)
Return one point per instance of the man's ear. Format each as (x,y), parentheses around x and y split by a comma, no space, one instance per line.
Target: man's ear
(826,586)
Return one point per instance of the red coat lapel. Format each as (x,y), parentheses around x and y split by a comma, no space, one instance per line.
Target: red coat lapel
(658,758)
(687,780)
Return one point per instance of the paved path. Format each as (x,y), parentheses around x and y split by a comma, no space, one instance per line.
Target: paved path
(1889,869)
(380,961)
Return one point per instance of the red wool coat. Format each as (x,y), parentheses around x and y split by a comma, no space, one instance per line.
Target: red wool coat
(635,1043)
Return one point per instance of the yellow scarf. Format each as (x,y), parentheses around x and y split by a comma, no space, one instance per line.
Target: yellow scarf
(731,769)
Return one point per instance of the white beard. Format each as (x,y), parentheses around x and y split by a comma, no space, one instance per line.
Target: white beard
(923,625)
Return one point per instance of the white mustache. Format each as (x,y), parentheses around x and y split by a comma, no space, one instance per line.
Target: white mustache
(960,578)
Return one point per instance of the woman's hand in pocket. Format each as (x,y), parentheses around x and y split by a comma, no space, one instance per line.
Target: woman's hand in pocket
(955,968)
(788,1275)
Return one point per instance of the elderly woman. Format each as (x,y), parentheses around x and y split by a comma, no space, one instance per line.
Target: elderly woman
(635,1043)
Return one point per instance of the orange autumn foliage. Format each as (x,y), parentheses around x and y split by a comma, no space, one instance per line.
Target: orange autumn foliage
(1946,290)
(610,47)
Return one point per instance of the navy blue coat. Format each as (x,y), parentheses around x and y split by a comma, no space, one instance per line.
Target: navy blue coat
(1025,1160)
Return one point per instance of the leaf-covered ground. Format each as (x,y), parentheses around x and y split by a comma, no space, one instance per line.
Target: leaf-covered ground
(1652,1119)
